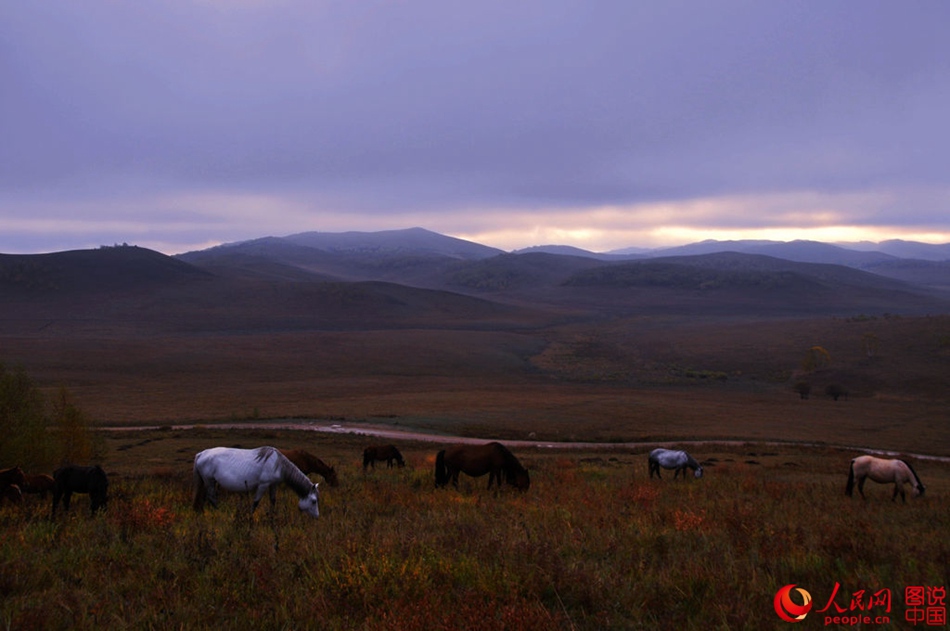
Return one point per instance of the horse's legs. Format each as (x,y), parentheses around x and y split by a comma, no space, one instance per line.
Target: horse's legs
(898,488)
(259,495)
(67,495)
(861,487)
(57,494)
(211,488)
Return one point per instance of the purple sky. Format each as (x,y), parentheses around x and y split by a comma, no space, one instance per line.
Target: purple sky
(178,125)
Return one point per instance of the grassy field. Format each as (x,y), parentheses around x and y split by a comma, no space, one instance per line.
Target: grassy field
(594,543)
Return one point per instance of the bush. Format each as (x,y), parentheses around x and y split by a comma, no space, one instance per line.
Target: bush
(22,422)
(25,425)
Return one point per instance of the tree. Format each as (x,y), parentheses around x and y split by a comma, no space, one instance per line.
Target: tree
(25,426)
(835,391)
(22,422)
(816,357)
(803,388)
(77,442)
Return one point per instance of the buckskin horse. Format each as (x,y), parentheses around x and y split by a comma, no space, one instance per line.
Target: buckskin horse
(308,463)
(256,471)
(389,453)
(885,472)
(476,460)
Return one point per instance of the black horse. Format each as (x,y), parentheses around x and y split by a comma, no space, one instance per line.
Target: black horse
(75,479)
(389,453)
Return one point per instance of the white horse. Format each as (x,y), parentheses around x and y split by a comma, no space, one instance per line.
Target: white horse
(673,459)
(883,471)
(256,471)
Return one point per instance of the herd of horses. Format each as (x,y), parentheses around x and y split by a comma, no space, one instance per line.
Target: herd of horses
(260,471)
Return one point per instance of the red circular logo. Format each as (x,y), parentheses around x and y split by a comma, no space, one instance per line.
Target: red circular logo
(788,610)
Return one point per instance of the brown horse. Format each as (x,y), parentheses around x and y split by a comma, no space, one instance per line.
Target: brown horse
(389,453)
(11,492)
(477,460)
(308,463)
(13,475)
(38,484)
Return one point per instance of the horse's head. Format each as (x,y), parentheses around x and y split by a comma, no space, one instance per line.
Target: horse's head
(14,475)
(332,480)
(522,480)
(698,472)
(311,503)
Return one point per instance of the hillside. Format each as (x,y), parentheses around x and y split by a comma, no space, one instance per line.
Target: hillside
(106,270)
(277,328)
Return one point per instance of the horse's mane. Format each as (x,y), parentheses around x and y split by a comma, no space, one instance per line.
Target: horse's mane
(693,463)
(293,476)
(512,465)
(916,477)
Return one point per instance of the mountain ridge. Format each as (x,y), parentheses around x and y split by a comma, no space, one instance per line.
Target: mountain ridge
(364,278)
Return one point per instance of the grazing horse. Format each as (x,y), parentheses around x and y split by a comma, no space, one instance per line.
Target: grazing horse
(13,475)
(477,460)
(673,459)
(389,453)
(256,471)
(308,463)
(75,479)
(39,484)
(11,492)
(884,471)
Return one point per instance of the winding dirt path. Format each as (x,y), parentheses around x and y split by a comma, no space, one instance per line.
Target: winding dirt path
(383,431)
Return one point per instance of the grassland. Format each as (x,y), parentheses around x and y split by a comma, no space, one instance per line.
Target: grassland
(594,544)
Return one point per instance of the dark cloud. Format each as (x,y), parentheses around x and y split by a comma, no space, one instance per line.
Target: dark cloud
(382,111)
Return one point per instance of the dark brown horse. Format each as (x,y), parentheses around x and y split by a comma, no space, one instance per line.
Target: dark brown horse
(38,484)
(476,460)
(11,492)
(308,463)
(75,479)
(389,453)
(13,475)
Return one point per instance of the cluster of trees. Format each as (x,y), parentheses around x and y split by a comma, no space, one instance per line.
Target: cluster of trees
(817,358)
(39,432)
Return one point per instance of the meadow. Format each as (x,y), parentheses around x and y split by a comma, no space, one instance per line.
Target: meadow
(593,544)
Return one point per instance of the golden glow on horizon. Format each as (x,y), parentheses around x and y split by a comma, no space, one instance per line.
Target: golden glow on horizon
(192,221)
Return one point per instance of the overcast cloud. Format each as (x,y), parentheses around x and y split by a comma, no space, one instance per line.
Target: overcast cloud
(177,125)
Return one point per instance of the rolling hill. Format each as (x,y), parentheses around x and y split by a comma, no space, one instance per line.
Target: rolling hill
(279,323)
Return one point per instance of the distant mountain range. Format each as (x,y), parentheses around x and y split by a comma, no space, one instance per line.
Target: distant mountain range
(415,278)
(399,254)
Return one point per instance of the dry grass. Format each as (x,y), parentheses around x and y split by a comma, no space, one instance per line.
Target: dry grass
(593,544)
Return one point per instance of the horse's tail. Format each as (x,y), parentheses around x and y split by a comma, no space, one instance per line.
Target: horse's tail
(850,488)
(201,493)
(441,475)
(920,485)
